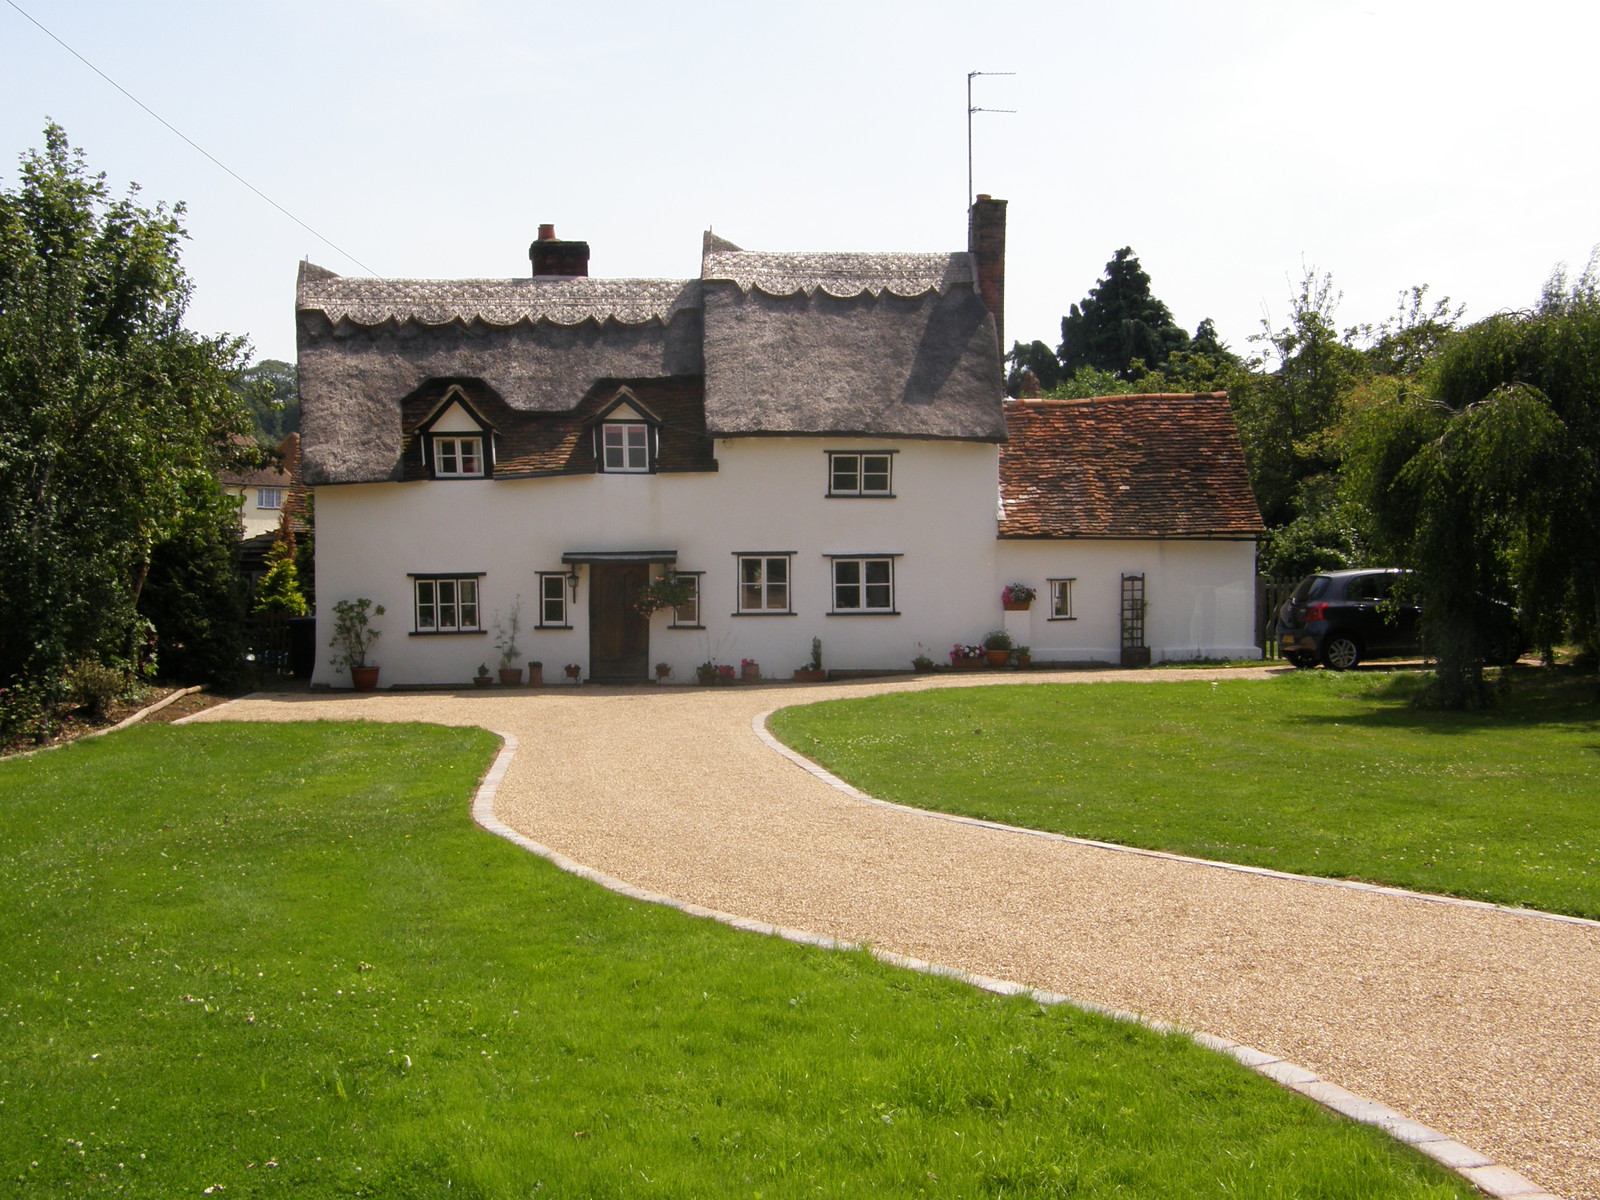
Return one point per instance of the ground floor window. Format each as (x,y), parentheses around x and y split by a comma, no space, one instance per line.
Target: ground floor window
(687,614)
(553,600)
(1061,599)
(863,585)
(764,583)
(447,604)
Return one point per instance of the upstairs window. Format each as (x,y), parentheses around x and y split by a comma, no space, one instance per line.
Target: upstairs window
(455,442)
(625,446)
(457,457)
(269,497)
(854,473)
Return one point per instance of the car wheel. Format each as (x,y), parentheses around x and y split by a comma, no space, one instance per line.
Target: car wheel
(1341,652)
(1303,659)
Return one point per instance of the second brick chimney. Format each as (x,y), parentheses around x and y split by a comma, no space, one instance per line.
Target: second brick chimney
(552,257)
(986,242)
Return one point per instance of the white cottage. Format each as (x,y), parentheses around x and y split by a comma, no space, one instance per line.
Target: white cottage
(819,443)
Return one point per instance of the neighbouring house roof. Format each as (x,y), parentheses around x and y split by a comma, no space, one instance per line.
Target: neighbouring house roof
(894,345)
(1166,466)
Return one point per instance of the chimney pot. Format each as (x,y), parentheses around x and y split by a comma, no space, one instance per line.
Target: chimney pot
(554,258)
(547,233)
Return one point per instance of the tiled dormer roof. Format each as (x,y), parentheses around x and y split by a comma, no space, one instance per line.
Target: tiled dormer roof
(1165,466)
(498,302)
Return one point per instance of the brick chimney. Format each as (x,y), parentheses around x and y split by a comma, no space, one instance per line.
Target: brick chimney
(986,242)
(553,257)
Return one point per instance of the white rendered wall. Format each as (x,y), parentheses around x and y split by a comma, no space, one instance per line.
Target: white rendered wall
(768,497)
(1200,597)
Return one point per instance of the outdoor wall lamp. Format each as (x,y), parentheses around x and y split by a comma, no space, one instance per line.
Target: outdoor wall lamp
(572,581)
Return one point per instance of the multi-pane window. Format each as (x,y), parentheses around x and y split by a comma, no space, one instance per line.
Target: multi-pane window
(687,614)
(269,497)
(763,583)
(552,600)
(447,604)
(863,585)
(625,446)
(1061,599)
(457,456)
(855,474)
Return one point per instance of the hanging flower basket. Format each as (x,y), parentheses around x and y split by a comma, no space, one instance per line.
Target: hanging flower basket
(1016,597)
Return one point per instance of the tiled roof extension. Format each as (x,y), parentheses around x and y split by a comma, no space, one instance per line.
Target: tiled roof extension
(1157,466)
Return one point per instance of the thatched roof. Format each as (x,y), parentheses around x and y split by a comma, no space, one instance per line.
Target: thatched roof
(1161,466)
(896,345)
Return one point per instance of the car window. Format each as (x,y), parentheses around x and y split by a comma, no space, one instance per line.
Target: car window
(1310,588)
(1368,587)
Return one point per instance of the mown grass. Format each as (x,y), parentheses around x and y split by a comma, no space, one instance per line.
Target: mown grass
(1316,773)
(262,960)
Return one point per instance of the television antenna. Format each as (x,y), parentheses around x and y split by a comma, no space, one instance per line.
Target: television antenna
(971,75)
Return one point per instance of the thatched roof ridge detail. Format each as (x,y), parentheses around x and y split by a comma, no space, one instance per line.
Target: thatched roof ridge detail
(498,302)
(842,276)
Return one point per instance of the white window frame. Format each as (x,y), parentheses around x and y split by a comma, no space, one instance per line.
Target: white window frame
(269,497)
(753,581)
(1061,599)
(863,567)
(629,451)
(856,465)
(446,604)
(687,614)
(457,456)
(553,599)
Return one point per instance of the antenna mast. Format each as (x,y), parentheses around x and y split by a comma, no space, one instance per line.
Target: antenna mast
(971,75)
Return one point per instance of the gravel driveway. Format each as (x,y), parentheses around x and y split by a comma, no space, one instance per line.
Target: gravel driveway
(1482,1023)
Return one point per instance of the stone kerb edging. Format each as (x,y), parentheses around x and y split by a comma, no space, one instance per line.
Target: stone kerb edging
(1477,1168)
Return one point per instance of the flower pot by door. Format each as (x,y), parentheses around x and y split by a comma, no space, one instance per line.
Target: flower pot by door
(750,672)
(364,679)
(510,676)
(806,675)
(997,658)
(966,664)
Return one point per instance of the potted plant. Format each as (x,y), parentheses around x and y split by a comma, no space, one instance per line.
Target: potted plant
(505,639)
(812,672)
(1024,657)
(1016,597)
(922,664)
(997,646)
(664,591)
(483,679)
(966,658)
(574,670)
(749,670)
(663,672)
(353,637)
(535,673)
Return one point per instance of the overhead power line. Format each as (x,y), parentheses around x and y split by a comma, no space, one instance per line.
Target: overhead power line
(196,145)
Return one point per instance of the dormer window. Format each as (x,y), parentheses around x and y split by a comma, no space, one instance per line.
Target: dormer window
(625,446)
(454,441)
(626,436)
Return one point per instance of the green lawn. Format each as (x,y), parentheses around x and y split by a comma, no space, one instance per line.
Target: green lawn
(1316,772)
(248,960)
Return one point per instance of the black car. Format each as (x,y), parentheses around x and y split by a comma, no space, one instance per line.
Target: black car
(1338,618)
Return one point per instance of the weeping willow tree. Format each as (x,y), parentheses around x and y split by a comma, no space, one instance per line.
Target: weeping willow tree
(1487,480)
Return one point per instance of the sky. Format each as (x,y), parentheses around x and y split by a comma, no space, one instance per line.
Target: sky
(1235,146)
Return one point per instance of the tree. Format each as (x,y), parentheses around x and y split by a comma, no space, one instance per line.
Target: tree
(279,591)
(271,391)
(195,598)
(1037,358)
(113,417)
(1120,327)
(1489,480)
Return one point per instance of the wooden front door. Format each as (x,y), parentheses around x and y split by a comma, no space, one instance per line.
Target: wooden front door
(619,638)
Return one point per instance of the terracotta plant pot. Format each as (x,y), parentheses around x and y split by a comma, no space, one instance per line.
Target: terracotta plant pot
(997,658)
(1024,661)
(750,672)
(364,679)
(1015,605)
(510,676)
(967,664)
(806,675)
(535,674)
(573,673)
(922,668)
(482,681)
